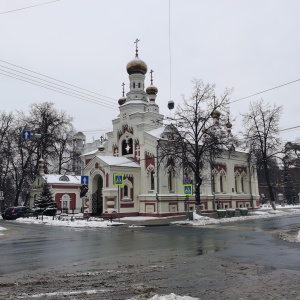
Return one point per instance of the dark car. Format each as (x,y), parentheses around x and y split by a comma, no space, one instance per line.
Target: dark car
(13,213)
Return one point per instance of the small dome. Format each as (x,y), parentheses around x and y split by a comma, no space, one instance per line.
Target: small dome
(216,114)
(151,90)
(136,66)
(228,124)
(121,101)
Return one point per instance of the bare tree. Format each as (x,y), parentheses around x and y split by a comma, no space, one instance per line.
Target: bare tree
(261,135)
(5,178)
(54,130)
(291,167)
(51,139)
(199,134)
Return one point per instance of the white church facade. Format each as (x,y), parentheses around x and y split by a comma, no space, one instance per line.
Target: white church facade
(132,148)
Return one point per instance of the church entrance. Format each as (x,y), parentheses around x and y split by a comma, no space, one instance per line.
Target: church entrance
(97,198)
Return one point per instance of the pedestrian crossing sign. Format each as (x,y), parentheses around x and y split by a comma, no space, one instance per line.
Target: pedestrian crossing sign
(118,179)
(188,189)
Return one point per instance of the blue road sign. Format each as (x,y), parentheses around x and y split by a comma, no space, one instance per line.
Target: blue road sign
(188,189)
(26,134)
(118,179)
(187,180)
(84,179)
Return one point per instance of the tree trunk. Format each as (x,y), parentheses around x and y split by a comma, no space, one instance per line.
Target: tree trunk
(270,188)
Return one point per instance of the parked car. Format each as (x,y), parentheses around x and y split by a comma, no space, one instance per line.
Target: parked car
(13,213)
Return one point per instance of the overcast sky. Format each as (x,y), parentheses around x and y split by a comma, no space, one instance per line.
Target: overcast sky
(249,45)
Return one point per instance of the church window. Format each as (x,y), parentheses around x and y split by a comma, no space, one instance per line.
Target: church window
(170,180)
(125,191)
(242,184)
(133,85)
(235,183)
(221,184)
(152,180)
(139,85)
(64,178)
(127,147)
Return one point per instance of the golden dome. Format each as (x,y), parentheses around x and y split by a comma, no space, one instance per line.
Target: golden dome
(121,101)
(151,90)
(216,114)
(136,66)
(228,124)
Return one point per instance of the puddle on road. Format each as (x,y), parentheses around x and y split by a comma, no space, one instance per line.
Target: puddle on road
(203,251)
(244,228)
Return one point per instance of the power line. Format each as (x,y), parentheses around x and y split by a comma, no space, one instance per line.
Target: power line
(59,85)
(290,128)
(56,80)
(57,90)
(276,87)
(170,59)
(9,11)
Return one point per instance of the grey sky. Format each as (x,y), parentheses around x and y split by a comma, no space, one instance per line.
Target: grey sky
(248,45)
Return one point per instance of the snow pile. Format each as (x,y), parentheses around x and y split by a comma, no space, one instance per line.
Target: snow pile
(68,222)
(164,297)
(200,220)
(2,229)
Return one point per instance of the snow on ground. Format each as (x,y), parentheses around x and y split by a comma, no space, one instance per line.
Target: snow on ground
(78,221)
(1,230)
(89,292)
(166,297)
(263,212)
(69,221)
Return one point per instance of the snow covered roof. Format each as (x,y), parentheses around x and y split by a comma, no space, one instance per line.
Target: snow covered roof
(119,161)
(156,132)
(90,153)
(62,179)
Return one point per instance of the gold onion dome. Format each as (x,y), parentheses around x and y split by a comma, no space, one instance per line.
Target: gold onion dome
(136,66)
(228,124)
(121,101)
(216,114)
(151,90)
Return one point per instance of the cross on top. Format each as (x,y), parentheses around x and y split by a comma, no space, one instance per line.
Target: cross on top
(123,84)
(151,76)
(136,47)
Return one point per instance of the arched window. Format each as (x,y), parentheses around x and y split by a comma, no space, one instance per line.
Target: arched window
(127,147)
(170,180)
(235,183)
(242,184)
(133,85)
(221,184)
(139,85)
(125,191)
(152,181)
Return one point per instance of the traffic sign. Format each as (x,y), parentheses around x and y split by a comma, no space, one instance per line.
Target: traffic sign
(187,180)
(26,134)
(118,179)
(1,198)
(84,179)
(188,189)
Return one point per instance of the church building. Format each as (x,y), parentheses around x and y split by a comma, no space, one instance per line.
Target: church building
(124,177)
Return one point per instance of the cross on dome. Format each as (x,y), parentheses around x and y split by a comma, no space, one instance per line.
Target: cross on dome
(123,84)
(136,47)
(151,76)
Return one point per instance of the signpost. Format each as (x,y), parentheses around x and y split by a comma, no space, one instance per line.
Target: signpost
(26,134)
(188,189)
(85,180)
(119,181)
